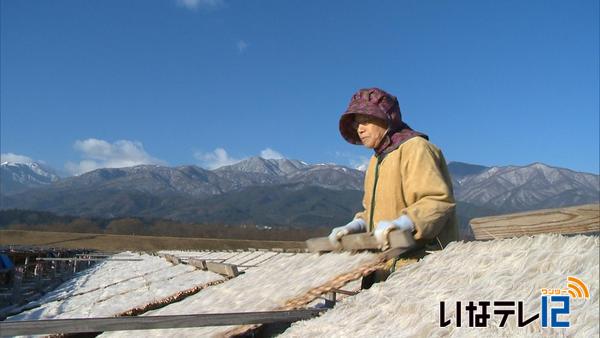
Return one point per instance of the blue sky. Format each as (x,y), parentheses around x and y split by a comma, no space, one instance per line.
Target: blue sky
(87,84)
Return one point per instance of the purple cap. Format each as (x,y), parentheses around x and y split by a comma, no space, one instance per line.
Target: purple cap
(371,102)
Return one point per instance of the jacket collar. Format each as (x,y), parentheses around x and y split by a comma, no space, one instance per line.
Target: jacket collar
(393,139)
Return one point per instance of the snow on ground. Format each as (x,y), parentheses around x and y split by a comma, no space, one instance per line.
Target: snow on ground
(112,287)
(262,288)
(408,303)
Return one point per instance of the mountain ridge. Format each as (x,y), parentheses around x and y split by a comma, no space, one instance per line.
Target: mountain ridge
(243,192)
(16,176)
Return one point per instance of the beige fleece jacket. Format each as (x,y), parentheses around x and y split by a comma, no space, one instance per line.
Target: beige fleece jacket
(412,180)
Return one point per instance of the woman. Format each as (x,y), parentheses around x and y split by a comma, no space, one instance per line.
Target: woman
(407,184)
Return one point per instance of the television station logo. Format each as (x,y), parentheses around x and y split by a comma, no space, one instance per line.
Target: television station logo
(576,289)
(554,310)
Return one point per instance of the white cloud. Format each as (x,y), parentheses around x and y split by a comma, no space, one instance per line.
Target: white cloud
(362,163)
(215,159)
(242,46)
(270,154)
(10,157)
(359,162)
(97,154)
(219,157)
(196,4)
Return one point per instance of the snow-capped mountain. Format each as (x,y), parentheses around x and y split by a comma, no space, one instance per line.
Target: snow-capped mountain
(150,179)
(517,188)
(256,170)
(280,191)
(20,176)
(259,165)
(240,192)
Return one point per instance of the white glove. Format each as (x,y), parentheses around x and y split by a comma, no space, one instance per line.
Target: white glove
(383,228)
(354,226)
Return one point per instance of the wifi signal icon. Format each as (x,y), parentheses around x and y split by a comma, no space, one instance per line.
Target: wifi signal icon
(577,288)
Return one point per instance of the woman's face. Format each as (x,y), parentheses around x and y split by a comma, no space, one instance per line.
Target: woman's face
(371,130)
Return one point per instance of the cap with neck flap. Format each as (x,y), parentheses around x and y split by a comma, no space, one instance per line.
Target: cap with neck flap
(377,103)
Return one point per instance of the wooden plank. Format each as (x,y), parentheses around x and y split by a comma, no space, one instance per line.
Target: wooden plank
(172,259)
(583,219)
(394,252)
(64,326)
(319,244)
(87,259)
(94,254)
(225,269)
(197,263)
(361,241)
(345,292)
(17,280)
(330,299)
